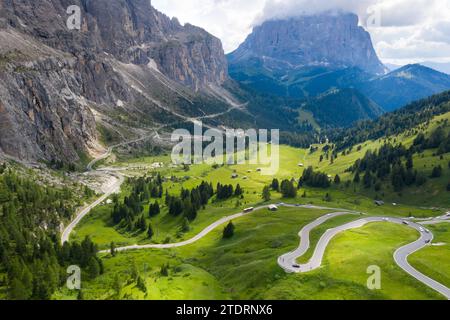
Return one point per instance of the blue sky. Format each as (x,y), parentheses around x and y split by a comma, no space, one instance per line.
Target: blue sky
(407,31)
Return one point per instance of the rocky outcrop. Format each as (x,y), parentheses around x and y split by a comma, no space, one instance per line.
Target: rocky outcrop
(329,40)
(42,113)
(53,80)
(130,30)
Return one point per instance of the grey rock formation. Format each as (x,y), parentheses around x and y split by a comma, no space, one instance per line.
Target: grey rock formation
(130,30)
(329,40)
(52,78)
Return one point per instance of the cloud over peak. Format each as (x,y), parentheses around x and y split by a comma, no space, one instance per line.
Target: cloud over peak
(403,31)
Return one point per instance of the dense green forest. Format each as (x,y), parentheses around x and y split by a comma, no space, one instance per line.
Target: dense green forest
(341,108)
(396,162)
(129,214)
(394,123)
(33,264)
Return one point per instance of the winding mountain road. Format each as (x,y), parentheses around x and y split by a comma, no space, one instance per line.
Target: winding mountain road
(120,178)
(204,232)
(85,211)
(288,261)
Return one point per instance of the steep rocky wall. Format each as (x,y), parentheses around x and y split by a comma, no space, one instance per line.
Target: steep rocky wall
(51,77)
(131,30)
(332,40)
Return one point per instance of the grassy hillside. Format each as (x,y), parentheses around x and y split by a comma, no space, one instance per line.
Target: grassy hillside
(244,267)
(345,195)
(435,260)
(395,123)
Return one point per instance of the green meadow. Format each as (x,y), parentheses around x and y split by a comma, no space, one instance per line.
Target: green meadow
(245,266)
(434,260)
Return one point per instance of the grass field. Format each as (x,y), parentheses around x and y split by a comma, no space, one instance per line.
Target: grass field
(245,266)
(435,260)
(99,227)
(317,233)
(351,253)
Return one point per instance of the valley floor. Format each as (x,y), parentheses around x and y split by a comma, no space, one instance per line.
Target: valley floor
(245,266)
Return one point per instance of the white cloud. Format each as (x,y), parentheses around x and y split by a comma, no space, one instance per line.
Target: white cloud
(409,30)
(279,9)
(229,20)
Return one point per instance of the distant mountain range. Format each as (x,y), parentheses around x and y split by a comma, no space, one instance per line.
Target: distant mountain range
(438,66)
(305,57)
(131,72)
(404,85)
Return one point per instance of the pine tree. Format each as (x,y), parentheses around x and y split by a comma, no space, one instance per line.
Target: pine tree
(141,224)
(175,207)
(165,270)
(437,172)
(266,194)
(288,190)
(189,211)
(185,227)
(367,180)
(93,268)
(17,290)
(397,177)
(275,185)
(141,284)
(238,192)
(337,180)
(228,231)
(409,162)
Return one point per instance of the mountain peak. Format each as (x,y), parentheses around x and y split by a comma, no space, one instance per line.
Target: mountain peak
(333,40)
(411,71)
(417,67)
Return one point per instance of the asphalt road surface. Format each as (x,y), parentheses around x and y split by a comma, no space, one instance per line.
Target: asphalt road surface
(288,260)
(113,189)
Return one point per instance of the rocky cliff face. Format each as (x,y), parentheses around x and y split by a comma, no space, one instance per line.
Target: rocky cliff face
(130,30)
(53,80)
(328,40)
